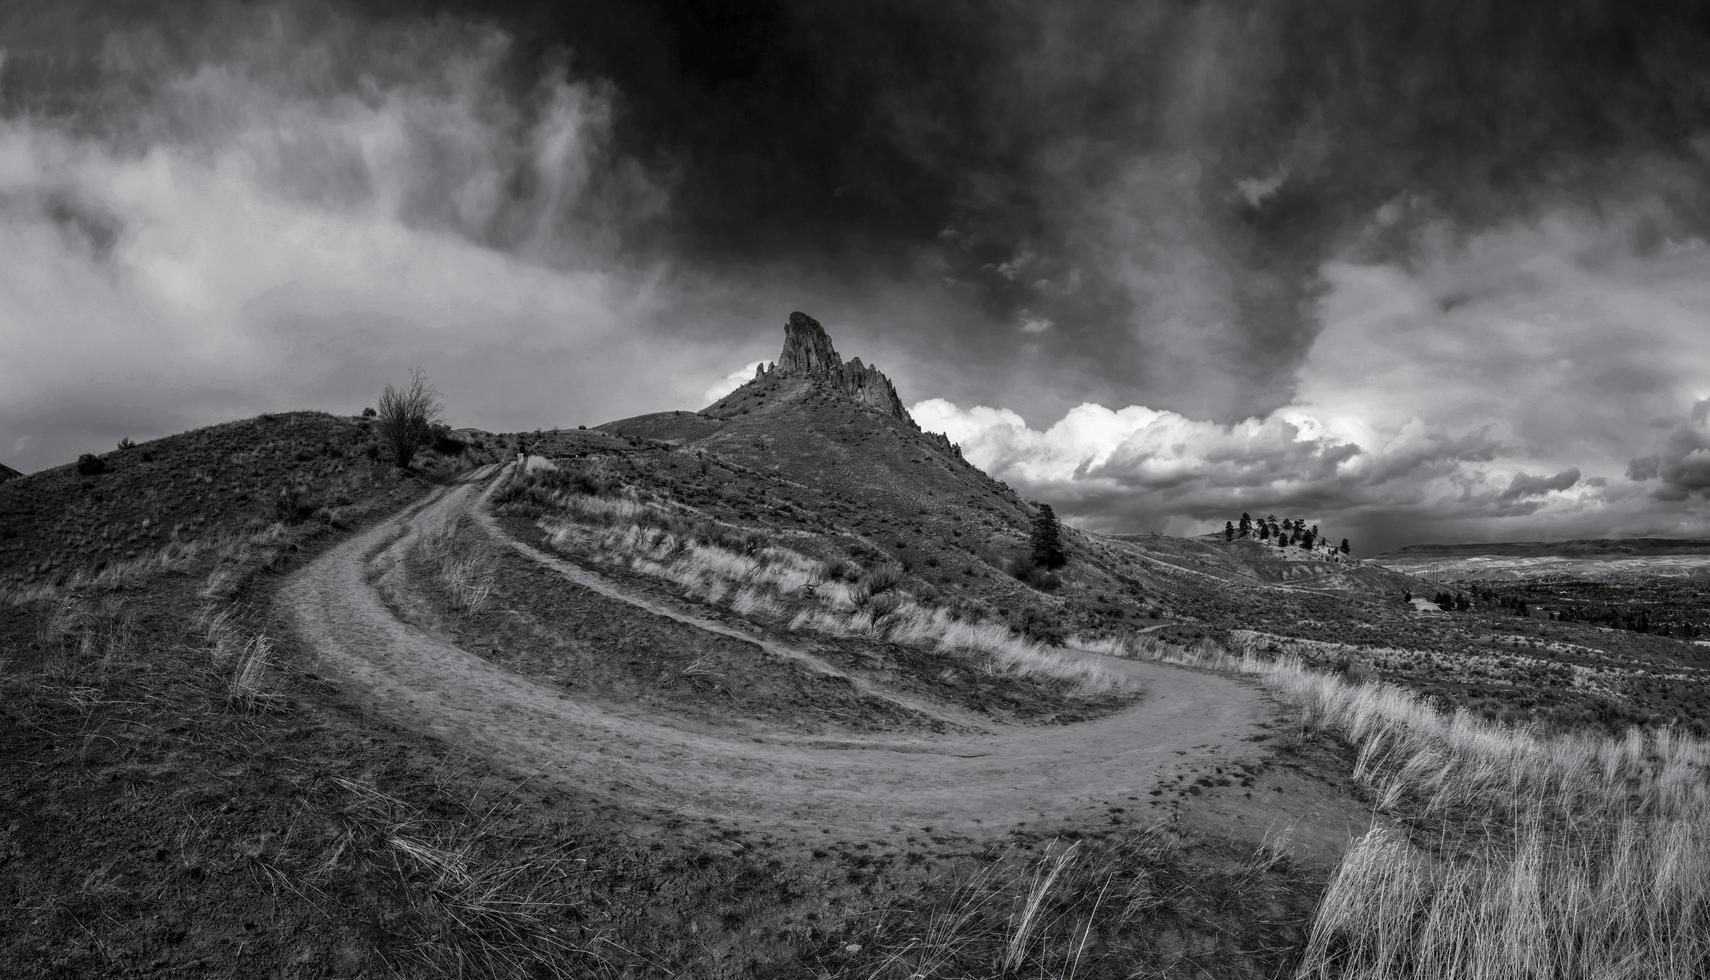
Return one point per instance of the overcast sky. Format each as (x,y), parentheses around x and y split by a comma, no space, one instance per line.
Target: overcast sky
(1410,270)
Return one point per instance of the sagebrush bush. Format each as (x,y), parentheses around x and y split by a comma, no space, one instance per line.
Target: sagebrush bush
(1025,569)
(1038,625)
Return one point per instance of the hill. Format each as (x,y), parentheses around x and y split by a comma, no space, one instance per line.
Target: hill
(200,488)
(823,451)
(8,473)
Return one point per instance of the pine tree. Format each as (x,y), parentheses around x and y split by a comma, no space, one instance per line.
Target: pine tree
(1047,539)
(1246,524)
(1228,530)
(1345,549)
(1264,532)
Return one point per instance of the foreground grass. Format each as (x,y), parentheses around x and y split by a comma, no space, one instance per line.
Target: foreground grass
(1150,902)
(1513,854)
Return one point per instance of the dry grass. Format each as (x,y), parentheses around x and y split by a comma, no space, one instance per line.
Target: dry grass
(480,903)
(240,557)
(772,582)
(243,657)
(173,558)
(1150,903)
(467,569)
(84,637)
(1516,854)
(1004,653)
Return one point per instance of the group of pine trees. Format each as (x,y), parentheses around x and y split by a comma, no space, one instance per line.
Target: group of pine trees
(1285,533)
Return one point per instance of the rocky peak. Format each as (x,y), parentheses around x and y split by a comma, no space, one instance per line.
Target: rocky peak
(808,354)
(807,349)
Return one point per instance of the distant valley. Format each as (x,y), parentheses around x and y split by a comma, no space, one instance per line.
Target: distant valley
(1606,559)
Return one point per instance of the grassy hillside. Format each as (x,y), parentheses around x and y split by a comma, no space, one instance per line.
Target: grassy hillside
(196,487)
(213,779)
(786,455)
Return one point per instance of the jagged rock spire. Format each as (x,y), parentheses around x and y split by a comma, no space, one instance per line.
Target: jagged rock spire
(808,353)
(807,349)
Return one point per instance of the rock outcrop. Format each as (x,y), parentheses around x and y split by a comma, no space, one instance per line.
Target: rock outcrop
(807,349)
(808,354)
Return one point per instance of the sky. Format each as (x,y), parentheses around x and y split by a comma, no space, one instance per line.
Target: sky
(1411,271)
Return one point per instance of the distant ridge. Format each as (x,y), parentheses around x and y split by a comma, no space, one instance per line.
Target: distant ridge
(1579,548)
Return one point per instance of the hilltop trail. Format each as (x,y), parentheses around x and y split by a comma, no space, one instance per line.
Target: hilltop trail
(980,781)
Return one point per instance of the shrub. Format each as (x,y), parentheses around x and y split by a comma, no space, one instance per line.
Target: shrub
(1025,569)
(884,578)
(407,417)
(880,606)
(90,464)
(127,443)
(369,412)
(447,444)
(1037,625)
(843,570)
(294,505)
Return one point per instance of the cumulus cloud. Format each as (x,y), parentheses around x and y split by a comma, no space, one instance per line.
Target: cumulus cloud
(731,382)
(1488,387)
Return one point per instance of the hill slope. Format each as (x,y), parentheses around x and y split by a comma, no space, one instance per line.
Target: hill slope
(236,477)
(823,451)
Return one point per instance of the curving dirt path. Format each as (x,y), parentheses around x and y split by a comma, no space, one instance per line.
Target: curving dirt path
(984,780)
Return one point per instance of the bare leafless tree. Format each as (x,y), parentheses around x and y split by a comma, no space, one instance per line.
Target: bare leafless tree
(407,416)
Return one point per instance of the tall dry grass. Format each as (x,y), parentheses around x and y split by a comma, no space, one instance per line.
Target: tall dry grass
(480,902)
(173,558)
(802,593)
(1147,903)
(1514,854)
(242,657)
(467,569)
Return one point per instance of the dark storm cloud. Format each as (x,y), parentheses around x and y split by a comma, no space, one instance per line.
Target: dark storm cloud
(1683,464)
(1376,261)
(210,212)
(1524,485)
(1158,182)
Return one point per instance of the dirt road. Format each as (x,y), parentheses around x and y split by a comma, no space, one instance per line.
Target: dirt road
(984,780)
